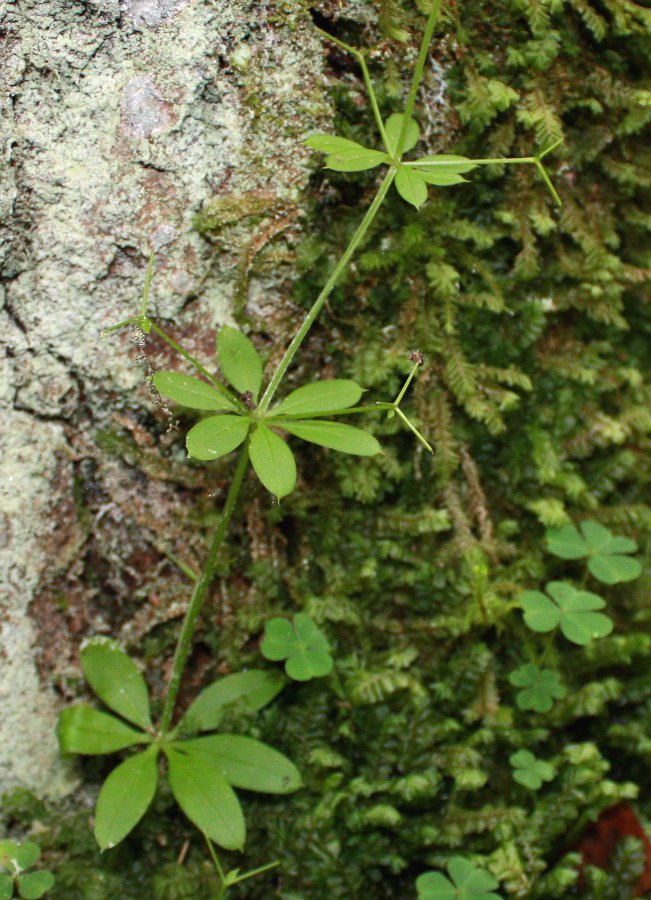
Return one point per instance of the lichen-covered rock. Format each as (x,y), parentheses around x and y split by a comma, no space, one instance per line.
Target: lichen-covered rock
(118,120)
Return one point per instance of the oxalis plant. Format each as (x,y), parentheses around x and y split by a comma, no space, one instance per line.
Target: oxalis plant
(242,412)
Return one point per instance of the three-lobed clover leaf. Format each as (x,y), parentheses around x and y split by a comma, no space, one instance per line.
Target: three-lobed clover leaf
(573,610)
(530,771)
(540,687)
(466,882)
(202,771)
(607,553)
(235,421)
(15,859)
(301,643)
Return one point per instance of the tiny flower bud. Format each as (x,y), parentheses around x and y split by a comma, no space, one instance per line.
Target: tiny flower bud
(416,356)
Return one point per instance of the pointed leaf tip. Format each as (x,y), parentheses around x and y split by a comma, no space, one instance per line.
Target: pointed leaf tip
(114,677)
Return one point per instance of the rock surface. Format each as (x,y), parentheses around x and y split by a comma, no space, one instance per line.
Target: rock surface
(119,119)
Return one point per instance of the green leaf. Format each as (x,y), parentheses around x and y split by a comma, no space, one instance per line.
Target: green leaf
(35,884)
(330,143)
(604,549)
(541,687)
(573,610)
(239,361)
(125,797)
(247,763)
(83,729)
(444,162)
(441,179)
(392,127)
(467,882)
(26,855)
(272,461)
(345,155)
(206,798)
(344,438)
(216,436)
(7,853)
(319,397)
(190,392)
(6,887)
(530,771)
(302,644)
(113,676)
(254,689)
(411,186)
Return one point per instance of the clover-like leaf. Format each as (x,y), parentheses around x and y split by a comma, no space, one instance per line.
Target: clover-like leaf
(247,763)
(113,676)
(252,689)
(319,397)
(272,461)
(205,796)
(392,127)
(216,436)
(83,729)
(606,552)
(541,687)
(572,610)
(411,186)
(239,361)
(301,643)
(530,771)
(34,885)
(25,855)
(335,436)
(6,887)
(125,797)
(466,882)
(191,392)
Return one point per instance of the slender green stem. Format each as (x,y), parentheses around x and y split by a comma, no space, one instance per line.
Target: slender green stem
(367,81)
(215,858)
(402,393)
(150,275)
(200,591)
(253,872)
(509,160)
(299,337)
(418,74)
(414,429)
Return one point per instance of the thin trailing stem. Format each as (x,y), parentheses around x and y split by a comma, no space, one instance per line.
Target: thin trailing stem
(200,591)
(148,278)
(317,306)
(418,74)
(359,56)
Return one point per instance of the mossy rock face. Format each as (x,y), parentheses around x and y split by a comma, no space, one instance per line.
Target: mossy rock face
(535,395)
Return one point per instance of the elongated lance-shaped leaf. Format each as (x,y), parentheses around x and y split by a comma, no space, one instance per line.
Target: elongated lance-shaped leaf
(319,397)
(273,462)
(239,361)
(191,392)
(34,885)
(334,435)
(443,162)
(253,690)
(392,128)
(216,436)
(411,186)
(83,729)
(247,763)
(206,797)
(330,143)
(355,160)
(125,797)
(113,676)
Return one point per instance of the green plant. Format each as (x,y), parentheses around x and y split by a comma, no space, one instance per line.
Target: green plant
(608,559)
(530,771)
(568,608)
(15,860)
(301,643)
(466,882)
(540,687)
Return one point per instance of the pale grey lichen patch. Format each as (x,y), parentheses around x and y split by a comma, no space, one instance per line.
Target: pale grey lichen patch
(153,12)
(144,109)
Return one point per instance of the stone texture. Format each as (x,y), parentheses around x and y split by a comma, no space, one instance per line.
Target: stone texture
(117,121)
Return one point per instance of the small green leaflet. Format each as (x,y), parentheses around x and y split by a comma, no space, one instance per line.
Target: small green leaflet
(605,551)
(466,882)
(530,771)
(6,887)
(272,461)
(444,164)
(344,438)
(189,391)
(83,729)
(319,397)
(239,361)
(251,690)
(116,680)
(205,797)
(300,642)
(344,155)
(411,186)
(34,885)
(572,610)
(17,858)
(125,797)
(540,687)
(216,436)
(392,128)
(247,763)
